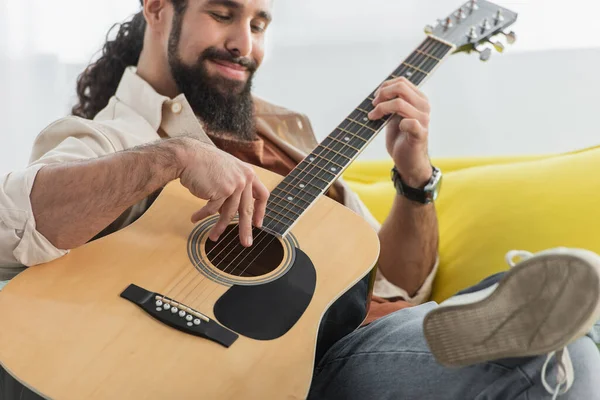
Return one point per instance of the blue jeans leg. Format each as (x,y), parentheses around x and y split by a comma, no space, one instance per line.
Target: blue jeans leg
(389,359)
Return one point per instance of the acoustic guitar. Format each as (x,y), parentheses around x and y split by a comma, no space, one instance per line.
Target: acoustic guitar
(158,311)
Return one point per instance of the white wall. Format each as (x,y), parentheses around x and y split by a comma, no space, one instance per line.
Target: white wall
(517,103)
(325,55)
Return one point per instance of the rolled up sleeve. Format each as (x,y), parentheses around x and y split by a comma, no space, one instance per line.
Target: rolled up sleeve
(20,242)
(70,139)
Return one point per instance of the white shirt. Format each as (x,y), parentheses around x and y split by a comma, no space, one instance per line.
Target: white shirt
(132,117)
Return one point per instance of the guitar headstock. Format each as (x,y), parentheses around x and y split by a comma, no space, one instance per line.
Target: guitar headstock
(475,23)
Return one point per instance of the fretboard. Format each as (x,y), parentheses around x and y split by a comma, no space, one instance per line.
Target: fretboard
(317,172)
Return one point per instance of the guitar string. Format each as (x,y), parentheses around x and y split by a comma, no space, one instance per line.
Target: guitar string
(427,46)
(430,46)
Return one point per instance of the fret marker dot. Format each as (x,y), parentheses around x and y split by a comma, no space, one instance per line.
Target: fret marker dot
(409,74)
(347,138)
(311,159)
(334,169)
(365,119)
(302,185)
(290,198)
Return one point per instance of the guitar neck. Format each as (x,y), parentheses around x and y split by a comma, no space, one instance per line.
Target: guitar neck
(317,172)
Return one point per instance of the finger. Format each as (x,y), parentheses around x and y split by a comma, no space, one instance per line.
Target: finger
(228,211)
(414,129)
(395,106)
(402,90)
(211,208)
(261,197)
(246,209)
(405,81)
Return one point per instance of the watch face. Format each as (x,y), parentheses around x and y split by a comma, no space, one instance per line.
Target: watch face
(435,185)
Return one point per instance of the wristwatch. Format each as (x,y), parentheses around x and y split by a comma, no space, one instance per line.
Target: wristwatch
(425,195)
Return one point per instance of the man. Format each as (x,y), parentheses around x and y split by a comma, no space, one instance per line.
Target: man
(158,122)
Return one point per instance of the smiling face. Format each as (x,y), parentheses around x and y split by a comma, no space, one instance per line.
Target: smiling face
(214,49)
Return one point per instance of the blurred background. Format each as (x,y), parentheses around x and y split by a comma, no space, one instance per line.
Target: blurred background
(324,56)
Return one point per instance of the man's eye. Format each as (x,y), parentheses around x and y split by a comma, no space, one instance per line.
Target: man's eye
(220,17)
(258,28)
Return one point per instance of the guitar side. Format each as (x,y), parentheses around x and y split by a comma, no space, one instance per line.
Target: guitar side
(68,334)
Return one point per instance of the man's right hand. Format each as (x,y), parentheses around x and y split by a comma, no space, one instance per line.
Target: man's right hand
(228,184)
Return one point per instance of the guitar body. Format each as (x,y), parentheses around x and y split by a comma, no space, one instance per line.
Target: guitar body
(71,328)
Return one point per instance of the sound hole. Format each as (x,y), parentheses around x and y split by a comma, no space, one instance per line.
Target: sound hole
(230,257)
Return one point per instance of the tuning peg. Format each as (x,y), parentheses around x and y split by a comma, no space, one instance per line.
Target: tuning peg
(485,25)
(428,29)
(448,23)
(460,14)
(473,5)
(472,33)
(499,17)
(497,45)
(484,54)
(511,37)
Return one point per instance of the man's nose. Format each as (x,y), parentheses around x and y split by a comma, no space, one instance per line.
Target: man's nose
(240,42)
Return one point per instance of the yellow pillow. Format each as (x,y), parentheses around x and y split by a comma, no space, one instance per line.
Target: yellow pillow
(485,211)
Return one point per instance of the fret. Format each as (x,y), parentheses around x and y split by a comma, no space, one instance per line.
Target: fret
(306,184)
(341,145)
(415,68)
(274,226)
(323,168)
(297,193)
(352,134)
(365,111)
(329,158)
(360,118)
(291,220)
(333,151)
(313,176)
(426,64)
(276,208)
(366,106)
(300,177)
(439,49)
(428,55)
(414,76)
(287,202)
(300,187)
(361,124)
(418,61)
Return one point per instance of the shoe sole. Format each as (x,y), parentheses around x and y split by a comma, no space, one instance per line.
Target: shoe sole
(541,305)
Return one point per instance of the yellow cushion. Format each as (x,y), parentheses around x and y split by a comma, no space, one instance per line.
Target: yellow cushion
(532,203)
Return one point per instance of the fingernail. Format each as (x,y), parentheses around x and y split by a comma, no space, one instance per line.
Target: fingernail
(250,240)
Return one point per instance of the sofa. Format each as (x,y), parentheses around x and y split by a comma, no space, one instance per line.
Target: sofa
(490,205)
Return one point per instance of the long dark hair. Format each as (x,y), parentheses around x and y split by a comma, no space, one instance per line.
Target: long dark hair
(99,81)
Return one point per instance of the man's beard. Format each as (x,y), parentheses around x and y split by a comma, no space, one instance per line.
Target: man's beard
(224,106)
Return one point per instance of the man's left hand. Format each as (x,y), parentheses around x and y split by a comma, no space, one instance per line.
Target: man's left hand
(408,131)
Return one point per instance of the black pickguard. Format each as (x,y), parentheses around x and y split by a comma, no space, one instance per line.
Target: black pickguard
(268,311)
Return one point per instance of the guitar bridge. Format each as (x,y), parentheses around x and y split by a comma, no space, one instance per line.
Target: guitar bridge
(179,316)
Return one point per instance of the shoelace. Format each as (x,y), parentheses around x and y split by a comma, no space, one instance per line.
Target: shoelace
(565,372)
(522,254)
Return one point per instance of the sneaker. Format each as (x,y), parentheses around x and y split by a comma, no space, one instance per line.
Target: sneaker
(543,303)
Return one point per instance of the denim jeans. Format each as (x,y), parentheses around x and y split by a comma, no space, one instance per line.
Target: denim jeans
(389,359)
